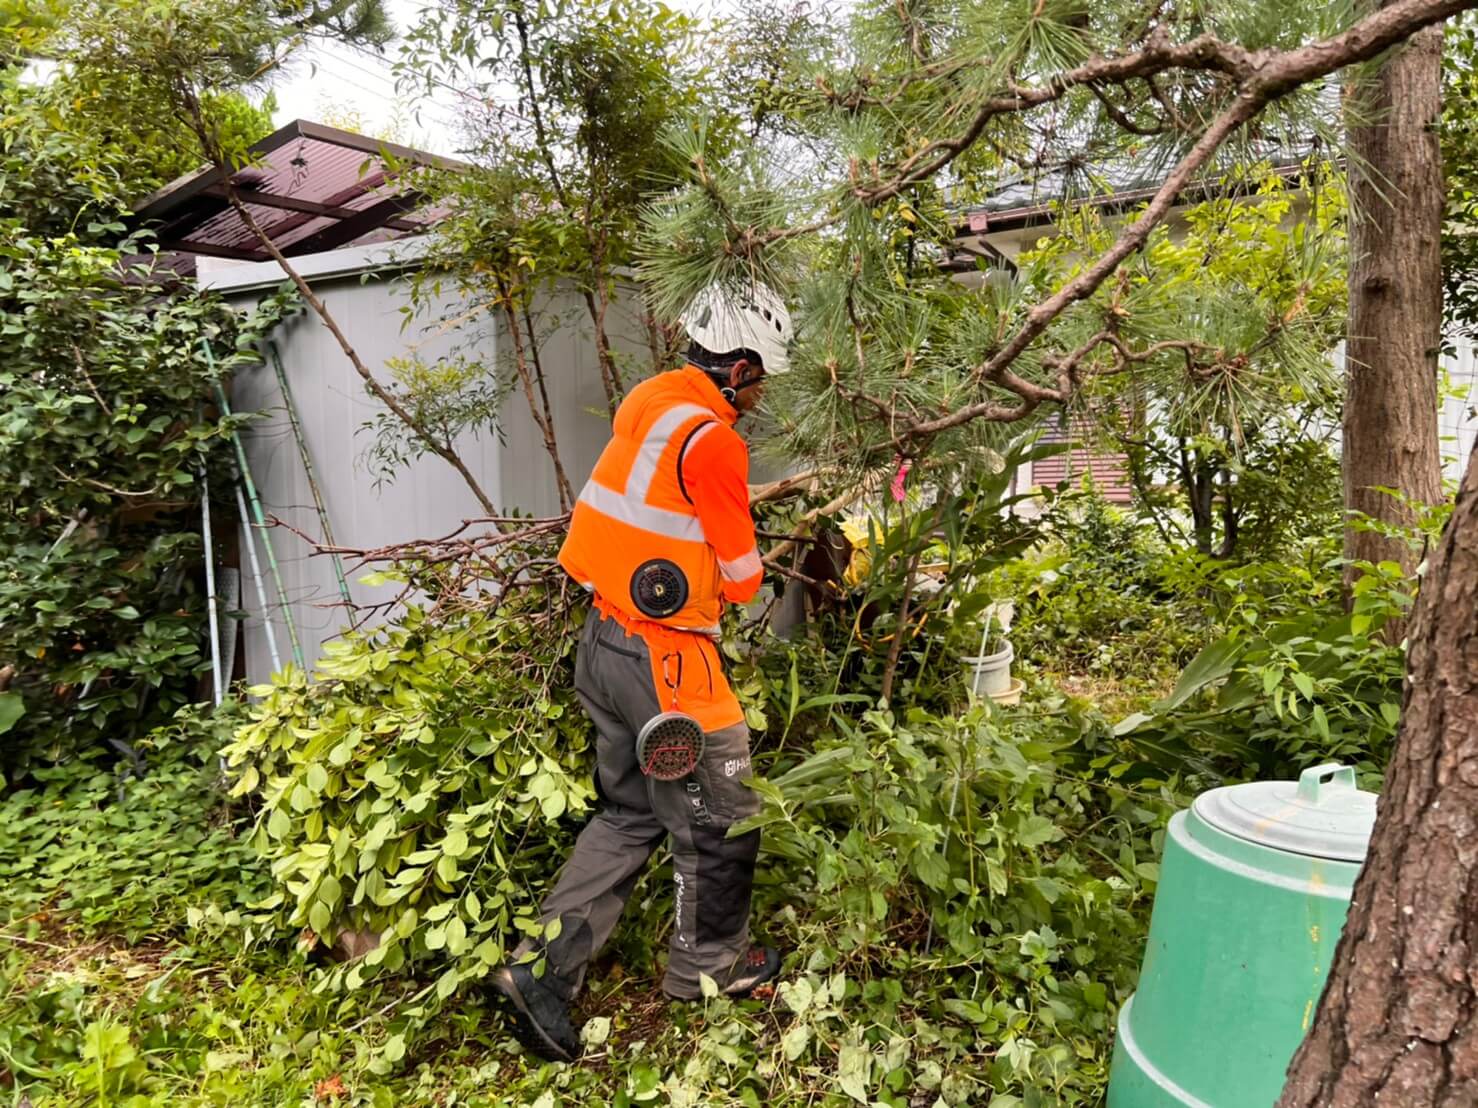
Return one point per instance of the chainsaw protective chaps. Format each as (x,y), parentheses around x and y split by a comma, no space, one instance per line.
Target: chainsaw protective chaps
(713,875)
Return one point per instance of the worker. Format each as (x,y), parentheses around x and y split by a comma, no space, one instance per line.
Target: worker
(662,537)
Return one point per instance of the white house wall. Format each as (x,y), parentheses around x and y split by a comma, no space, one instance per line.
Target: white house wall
(1458,422)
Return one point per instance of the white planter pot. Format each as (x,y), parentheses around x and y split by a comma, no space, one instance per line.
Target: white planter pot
(990,675)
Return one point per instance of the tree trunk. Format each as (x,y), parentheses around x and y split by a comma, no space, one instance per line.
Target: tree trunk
(1398,1021)
(1395,325)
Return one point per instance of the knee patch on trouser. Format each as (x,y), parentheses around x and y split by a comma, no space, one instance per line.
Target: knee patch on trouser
(725,878)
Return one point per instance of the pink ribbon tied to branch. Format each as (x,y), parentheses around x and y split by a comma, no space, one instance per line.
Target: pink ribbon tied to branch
(904,465)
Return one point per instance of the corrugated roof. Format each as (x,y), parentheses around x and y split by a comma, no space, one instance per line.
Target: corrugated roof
(309,187)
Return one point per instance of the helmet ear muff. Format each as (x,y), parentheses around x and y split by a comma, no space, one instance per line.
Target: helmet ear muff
(720,369)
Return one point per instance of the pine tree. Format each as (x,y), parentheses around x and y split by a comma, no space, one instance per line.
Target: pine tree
(939,103)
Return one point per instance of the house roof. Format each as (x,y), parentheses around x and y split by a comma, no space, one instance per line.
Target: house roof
(1114,187)
(310,187)
(1036,204)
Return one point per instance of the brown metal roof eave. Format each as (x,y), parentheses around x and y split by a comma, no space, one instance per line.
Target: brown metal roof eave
(1035,215)
(164,200)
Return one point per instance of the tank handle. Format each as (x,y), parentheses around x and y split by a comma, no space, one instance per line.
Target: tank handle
(1316,781)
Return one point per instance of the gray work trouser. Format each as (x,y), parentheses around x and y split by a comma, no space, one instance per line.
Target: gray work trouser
(713,874)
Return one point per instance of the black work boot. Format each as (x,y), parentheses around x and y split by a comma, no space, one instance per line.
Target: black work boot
(541,1015)
(759,965)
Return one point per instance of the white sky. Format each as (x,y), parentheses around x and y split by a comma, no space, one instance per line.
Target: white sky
(336,83)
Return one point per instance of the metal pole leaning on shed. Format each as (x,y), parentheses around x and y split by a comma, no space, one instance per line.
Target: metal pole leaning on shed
(243,472)
(256,576)
(210,591)
(302,441)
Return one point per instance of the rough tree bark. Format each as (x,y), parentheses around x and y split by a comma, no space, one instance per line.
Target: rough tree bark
(1398,1022)
(1395,282)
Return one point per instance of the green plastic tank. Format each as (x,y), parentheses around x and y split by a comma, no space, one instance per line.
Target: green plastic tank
(1253,892)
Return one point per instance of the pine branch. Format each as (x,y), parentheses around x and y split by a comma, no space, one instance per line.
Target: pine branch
(1259,76)
(1271,74)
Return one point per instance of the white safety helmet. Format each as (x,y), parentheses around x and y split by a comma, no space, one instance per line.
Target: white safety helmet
(722,319)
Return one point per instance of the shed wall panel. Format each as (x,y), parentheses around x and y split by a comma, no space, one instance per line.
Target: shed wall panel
(426,497)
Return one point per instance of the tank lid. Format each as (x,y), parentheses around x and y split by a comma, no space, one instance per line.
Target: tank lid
(1321,815)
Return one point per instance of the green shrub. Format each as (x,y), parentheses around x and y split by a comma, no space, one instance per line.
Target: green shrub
(978,859)
(1106,596)
(425,789)
(1295,679)
(105,844)
(104,437)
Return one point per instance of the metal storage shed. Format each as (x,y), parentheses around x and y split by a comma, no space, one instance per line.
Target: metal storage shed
(355,248)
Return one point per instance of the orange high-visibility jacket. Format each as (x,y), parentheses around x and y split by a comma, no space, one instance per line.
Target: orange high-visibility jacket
(672,483)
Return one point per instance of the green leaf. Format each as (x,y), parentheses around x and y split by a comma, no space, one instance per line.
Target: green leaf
(797,995)
(455,843)
(12,708)
(1206,668)
(1037,831)
(394,1048)
(447,983)
(302,798)
(596,1031)
(996,877)
(1321,722)
(854,1067)
(456,936)
(795,1040)
(318,916)
(931,869)
(1132,723)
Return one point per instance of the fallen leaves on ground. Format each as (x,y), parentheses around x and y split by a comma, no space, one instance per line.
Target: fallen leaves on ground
(330,1089)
